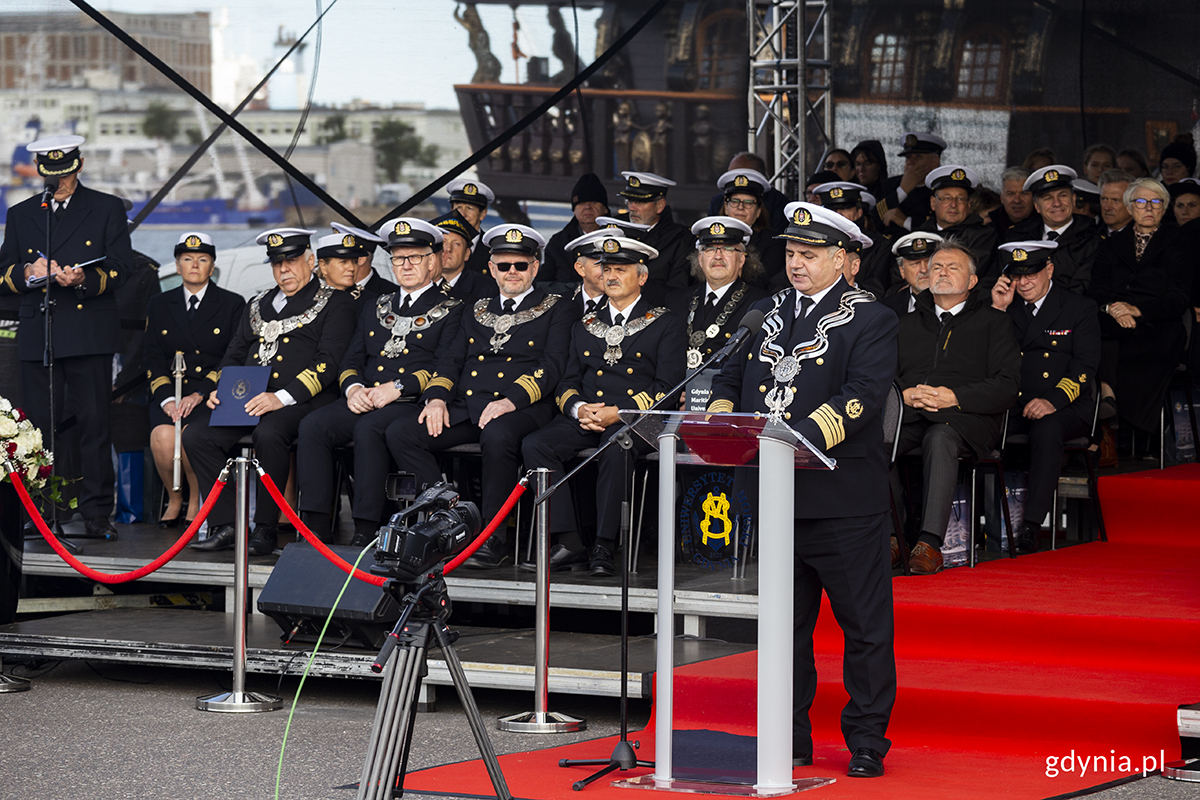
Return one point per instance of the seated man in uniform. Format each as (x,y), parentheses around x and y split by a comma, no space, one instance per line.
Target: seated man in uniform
(588,295)
(952,187)
(1053,190)
(849,199)
(386,368)
(602,379)
(491,380)
(1059,334)
(905,202)
(960,369)
(832,394)
(299,330)
(646,198)
(912,253)
(454,279)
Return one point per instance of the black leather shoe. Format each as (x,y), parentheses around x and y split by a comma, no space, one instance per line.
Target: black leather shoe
(801,759)
(263,540)
(602,562)
(865,763)
(100,526)
(561,560)
(1027,539)
(219,539)
(490,556)
(173,522)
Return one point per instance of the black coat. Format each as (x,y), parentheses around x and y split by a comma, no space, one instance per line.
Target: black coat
(975,354)
(86,319)
(649,364)
(366,361)
(204,339)
(307,359)
(1160,286)
(683,302)
(671,270)
(375,286)
(980,239)
(558,266)
(526,368)
(915,205)
(1060,349)
(469,287)
(898,301)
(838,402)
(1075,256)
(576,297)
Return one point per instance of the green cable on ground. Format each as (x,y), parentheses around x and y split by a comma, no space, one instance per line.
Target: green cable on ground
(308,666)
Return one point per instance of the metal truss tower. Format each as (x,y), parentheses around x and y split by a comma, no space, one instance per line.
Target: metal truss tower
(791,96)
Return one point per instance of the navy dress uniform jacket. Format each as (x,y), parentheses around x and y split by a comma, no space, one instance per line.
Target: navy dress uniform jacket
(526,368)
(86,318)
(680,303)
(1075,255)
(839,397)
(366,361)
(203,339)
(975,353)
(470,286)
(1060,348)
(674,242)
(980,239)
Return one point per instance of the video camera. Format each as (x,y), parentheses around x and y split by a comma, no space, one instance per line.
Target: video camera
(409,551)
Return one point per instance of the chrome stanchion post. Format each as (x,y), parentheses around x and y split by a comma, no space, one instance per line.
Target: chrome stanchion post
(541,720)
(238,700)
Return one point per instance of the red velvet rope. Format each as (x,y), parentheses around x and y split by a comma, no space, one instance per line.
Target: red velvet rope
(501,515)
(107,577)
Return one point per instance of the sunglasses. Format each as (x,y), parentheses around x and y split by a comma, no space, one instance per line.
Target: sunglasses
(505,266)
(837,164)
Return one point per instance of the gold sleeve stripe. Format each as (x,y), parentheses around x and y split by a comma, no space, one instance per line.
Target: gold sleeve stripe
(831,425)
(158,383)
(531,387)
(8,281)
(1070,389)
(311,382)
(444,383)
(350,373)
(561,400)
(422,376)
(215,377)
(643,400)
(721,406)
(103,280)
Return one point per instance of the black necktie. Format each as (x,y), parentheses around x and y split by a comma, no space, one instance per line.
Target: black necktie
(806,303)
(508,305)
(406,304)
(1052,236)
(591,306)
(944,317)
(710,303)
(193,304)
(1031,308)
(59,208)
(619,319)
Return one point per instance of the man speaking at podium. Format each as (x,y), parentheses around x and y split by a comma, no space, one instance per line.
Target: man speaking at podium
(89,257)
(823,363)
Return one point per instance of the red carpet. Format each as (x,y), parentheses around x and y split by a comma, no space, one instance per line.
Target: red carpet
(1086,650)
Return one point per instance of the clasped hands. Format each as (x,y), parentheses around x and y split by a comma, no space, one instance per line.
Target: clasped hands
(930,398)
(1125,314)
(256,406)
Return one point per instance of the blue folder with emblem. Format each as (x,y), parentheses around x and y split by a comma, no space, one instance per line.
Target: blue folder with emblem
(234,390)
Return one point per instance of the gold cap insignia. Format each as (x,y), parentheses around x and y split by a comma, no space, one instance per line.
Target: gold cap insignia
(1019,255)
(835,192)
(402,229)
(514,236)
(1051,175)
(55,155)
(192,241)
(802,217)
(349,241)
(910,140)
(854,408)
(920,244)
(611,245)
(634,182)
(741,180)
(470,188)
(716,229)
(958,175)
(274,240)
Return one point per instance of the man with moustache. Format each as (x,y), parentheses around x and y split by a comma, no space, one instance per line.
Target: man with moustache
(912,253)
(387,366)
(1056,221)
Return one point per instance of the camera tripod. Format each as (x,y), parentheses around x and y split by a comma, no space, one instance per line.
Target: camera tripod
(402,659)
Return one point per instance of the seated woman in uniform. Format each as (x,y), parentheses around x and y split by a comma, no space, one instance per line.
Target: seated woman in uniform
(744,191)
(196,320)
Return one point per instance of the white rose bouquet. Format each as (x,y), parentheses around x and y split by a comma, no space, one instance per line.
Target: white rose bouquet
(21,446)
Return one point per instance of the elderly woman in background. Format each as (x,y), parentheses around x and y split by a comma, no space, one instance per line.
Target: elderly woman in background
(1142,282)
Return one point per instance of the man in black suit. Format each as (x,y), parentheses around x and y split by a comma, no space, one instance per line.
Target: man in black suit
(912,253)
(492,381)
(905,202)
(646,198)
(388,365)
(952,187)
(299,330)
(1059,334)
(1056,221)
(198,319)
(833,394)
(89,257)
(960,369)
(601,379)
(453,278)
(367,282)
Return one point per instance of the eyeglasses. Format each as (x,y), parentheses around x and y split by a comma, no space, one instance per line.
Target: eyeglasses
(400,261)
(837,164)
(1141,203)
(751,203)
(727,249)
(505,266)
(952,200)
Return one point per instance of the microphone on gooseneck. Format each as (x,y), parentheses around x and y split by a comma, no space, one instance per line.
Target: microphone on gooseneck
(748,328)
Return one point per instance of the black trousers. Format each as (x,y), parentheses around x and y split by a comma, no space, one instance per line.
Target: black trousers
(560,441)
(209,448)
(333,426)
(87,380)
(500,444)
(850,560)
(1046,437)
(941,447)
